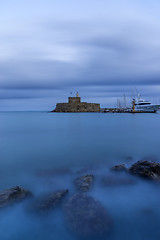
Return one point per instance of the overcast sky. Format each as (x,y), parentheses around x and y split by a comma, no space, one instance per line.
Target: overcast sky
(97,47)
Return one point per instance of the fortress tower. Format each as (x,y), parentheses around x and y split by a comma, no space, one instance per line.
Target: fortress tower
(75,105)
(74,100)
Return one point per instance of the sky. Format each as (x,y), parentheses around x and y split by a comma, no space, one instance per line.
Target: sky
(101,48)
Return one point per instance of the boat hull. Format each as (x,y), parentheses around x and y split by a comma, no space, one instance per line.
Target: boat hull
(149,108)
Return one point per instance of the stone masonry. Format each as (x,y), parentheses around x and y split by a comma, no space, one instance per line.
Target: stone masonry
(75,105)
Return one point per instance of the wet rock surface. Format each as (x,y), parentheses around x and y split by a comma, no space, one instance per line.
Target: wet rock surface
(84,183)
(146,169)
(48,202)
(119,168)
(86,217)
(13,195)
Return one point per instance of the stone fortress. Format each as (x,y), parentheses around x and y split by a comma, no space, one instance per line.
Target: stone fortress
(75,105)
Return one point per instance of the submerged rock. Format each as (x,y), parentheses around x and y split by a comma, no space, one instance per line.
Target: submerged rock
(13,195)
(86,217)
(119,168)
(84,183)
(47,203)
(146,169)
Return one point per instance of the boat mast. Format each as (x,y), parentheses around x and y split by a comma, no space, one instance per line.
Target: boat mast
(125,102)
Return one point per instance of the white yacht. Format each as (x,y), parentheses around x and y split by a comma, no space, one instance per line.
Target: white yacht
(143,105)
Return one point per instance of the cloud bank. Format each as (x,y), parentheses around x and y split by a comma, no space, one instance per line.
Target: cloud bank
(48,49)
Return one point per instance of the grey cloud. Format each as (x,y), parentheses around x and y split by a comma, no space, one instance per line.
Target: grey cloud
(111,53)
(58,75)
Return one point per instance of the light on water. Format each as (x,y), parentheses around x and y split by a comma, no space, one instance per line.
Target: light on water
(44,152)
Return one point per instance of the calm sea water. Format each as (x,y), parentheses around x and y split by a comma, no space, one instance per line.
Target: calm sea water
(35,145)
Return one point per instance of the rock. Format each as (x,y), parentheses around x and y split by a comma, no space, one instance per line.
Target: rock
(86,217)
(116,181)
(84,183)
(47,203)
(146,169)
(119,168)
(13,195)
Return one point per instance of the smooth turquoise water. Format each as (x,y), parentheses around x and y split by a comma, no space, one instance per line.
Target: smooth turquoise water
(33,144)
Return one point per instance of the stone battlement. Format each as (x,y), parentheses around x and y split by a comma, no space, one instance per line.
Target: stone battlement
(75,105)
(74,100)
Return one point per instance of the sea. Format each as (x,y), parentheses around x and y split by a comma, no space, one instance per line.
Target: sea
(45,152)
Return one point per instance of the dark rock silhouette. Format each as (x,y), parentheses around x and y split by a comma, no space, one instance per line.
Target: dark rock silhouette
(13,195)
(48,202)
(146,169)
(86,217)
(84,183)
(119,168)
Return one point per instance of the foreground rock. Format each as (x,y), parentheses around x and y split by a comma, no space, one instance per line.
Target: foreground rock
(146,169)
(84,183)
(49,202)
(119,168)
(86,217)
(13,195)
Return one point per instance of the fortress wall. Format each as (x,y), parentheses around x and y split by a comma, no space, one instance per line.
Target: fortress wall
(77,107)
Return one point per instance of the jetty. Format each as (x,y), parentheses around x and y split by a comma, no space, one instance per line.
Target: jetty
(74,104)
(128,109)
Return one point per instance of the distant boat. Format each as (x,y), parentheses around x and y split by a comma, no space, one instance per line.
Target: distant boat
(144,105)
